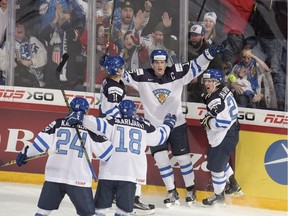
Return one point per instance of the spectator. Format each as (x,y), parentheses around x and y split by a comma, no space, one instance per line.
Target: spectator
(101,48)
(197,45)
(28,11)
(3,21)
(3,27)
(127,21)
(129,134)
(237,14)
(62,36)
(67,171)
(160,39)
(254,70)
(135,55)
(31,58)
(272,40)
(209,21)
(48,10)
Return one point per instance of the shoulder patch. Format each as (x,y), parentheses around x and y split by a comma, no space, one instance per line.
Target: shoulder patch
(139,71)
(214,104)
(178,67)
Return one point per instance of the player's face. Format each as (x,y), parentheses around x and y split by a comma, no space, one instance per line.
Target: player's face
(159,67)
(209,85)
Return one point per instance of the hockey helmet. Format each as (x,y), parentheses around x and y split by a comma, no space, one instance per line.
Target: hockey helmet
(79,104)
(113,63)
(160,55)
(127,108)
(214,74)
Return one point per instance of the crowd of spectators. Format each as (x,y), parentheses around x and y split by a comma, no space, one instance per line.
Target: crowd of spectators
(252,62)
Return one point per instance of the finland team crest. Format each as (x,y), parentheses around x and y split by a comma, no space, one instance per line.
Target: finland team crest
(161,94)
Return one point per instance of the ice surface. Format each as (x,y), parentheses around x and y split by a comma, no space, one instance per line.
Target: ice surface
(21,199)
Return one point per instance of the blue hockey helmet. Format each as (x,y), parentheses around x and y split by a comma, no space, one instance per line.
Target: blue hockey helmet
(214,74)
(160,55)
(79,104)
(113,63)
(127,108)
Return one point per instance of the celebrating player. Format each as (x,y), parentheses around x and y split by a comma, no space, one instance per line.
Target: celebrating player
(160,89)
(111,94)
(222,130)
(128,164)
(67,172)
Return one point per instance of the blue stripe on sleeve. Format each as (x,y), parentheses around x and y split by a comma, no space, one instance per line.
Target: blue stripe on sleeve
(98,124)
(42,142)
(37,147)
(108,150)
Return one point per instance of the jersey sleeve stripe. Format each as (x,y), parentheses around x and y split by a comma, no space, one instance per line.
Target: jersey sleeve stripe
(107,153)
(37,147)
(40,142)
(98,124)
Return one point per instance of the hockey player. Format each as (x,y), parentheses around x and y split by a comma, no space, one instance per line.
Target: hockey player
(111,94)
(67,172)
(129,134)
(160,89)
(112,90)
(222,130)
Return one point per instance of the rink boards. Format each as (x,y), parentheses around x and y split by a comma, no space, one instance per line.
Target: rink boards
(260,160)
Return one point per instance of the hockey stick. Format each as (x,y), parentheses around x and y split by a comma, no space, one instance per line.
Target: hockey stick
(58,71)
(12,162)
(110,28)
(201,9)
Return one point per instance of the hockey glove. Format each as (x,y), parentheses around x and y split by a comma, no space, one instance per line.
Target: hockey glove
(213,51)
(205,122)
(170,120)
(74,118)
(21,157)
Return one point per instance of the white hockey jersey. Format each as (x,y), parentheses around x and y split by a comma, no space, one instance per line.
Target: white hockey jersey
(130,137)
(160,95)
(222,106)
(69,165)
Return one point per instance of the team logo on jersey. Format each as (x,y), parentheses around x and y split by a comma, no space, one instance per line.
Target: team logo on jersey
(161,94)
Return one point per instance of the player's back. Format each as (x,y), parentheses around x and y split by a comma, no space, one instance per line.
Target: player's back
(69,165)
(128,161)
